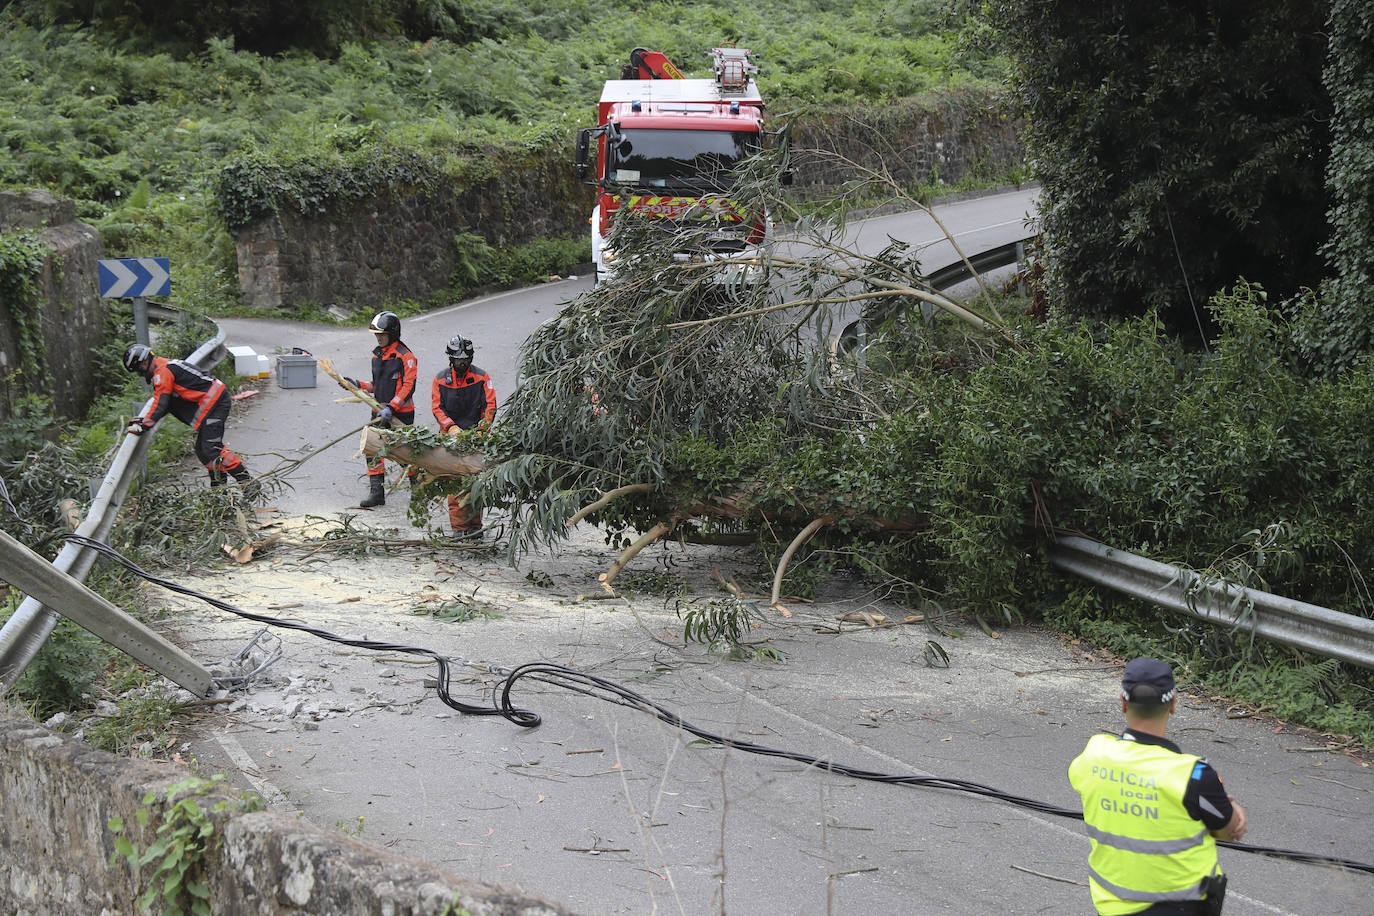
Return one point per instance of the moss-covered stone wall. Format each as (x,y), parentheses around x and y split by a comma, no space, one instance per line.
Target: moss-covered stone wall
(407,244)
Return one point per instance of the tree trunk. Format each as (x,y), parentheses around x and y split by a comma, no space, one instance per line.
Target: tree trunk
(437,461)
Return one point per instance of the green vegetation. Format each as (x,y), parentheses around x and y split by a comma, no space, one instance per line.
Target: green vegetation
(167,146)
(186,834)
(21,261)
(723,623)
(1344,333)
(1180,147)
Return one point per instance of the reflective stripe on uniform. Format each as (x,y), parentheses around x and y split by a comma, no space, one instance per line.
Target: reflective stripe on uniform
(207,402)
(1127,893)
(1150,847)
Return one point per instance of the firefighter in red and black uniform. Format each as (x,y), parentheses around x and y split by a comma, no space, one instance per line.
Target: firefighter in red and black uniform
(462,396)
(197,399)
(394,370)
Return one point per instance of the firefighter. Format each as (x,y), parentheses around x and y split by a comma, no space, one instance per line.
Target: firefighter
(197,399)
(462,396)
(1153,812)
(394,370)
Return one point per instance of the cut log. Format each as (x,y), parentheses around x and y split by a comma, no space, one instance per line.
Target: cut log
(437,461)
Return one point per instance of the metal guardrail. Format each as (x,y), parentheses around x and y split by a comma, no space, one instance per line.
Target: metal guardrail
(943,278)
(1274,617)
(1283,620)
(33,622)
(855,334)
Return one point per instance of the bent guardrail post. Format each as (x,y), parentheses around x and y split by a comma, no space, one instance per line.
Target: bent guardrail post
(1284,620)
(36,577)
(32,623)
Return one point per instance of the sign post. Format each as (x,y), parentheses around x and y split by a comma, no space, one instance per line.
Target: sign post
(136,278)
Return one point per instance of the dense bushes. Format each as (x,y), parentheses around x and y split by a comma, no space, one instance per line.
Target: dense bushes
(1343,332)
(1181,146)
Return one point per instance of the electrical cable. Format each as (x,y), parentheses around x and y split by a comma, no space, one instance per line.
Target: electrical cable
(604,689)
(521,717)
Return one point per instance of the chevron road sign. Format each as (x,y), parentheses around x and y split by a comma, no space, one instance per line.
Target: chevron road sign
(127,278)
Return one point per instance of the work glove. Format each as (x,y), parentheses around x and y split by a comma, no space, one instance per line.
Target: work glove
(384,417)
(136,428)
(350,381)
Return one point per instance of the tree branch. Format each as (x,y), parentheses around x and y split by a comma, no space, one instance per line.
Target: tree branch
(802,537)
(606,499)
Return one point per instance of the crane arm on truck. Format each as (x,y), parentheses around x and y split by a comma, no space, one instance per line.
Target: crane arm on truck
(649,65)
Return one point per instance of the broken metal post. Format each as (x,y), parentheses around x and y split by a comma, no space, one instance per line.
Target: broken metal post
(39,579)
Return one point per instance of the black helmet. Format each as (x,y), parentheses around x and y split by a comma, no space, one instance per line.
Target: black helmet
(138,357)
(459,351)
(386,323)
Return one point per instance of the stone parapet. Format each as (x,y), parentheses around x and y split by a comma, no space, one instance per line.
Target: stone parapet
(57,854)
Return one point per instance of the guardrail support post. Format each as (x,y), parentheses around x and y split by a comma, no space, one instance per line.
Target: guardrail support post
(39,579)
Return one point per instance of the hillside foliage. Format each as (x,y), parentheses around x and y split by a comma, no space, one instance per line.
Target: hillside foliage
(134,109)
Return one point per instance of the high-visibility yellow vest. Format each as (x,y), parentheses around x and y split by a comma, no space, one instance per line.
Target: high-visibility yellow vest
(1145,846)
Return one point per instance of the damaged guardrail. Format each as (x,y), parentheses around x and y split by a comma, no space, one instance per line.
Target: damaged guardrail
(33,622)
(1283,620)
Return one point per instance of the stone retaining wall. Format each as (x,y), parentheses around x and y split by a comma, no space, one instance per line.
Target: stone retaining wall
(408,246)
(928,141)
(57,795)
(72,315)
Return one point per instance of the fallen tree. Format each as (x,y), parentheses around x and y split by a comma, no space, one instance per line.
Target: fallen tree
(942,455)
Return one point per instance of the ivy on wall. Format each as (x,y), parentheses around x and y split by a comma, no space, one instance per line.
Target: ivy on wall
(259,185)
(1342,331)
(22,257)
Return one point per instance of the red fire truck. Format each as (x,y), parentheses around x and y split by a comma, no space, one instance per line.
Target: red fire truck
(667,146)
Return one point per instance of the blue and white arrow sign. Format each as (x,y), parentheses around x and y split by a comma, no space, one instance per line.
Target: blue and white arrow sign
(130,278)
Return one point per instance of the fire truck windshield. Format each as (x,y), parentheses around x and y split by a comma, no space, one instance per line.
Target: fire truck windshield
(699,159)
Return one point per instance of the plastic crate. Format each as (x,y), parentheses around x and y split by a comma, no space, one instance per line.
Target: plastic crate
(295,371)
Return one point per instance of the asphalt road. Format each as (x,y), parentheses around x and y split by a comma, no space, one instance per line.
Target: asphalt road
(609,810)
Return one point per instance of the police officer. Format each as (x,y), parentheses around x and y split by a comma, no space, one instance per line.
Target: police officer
(1153,812)
(462,397)
(197,399)
(394,371)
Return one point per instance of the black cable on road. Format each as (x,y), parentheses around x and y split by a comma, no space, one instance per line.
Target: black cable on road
(522,717)
(601,688)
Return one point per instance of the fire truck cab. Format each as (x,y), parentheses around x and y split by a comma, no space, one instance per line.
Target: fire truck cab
(667,147)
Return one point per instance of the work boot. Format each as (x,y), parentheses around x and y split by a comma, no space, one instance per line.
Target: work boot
(250,487)
(376,492)
(217,478)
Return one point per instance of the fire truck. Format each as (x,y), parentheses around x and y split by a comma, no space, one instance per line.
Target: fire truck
(667,147)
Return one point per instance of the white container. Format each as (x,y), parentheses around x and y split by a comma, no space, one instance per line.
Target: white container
(245,361)
(264,367)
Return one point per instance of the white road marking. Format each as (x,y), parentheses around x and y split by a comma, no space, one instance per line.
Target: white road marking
(244,761)
(903,766)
